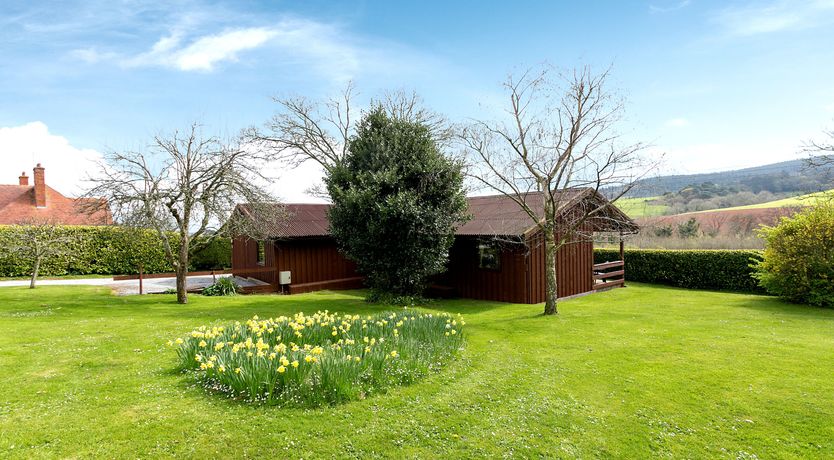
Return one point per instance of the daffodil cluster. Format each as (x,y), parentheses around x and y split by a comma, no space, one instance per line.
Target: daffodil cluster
(309,360)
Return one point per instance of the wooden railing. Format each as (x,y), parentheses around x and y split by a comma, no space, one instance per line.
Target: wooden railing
(605,271)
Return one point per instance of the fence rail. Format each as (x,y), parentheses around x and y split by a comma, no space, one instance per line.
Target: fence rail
(605,271)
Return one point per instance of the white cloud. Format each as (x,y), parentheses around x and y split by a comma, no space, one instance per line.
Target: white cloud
(325,47)
(91,55)
(202,53)
(677,123)
(293,185)
(776,16)
(22,147)
(712,157)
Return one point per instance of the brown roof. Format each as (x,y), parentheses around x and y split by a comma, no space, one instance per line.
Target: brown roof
(17,205)
(496,215)
(500,215)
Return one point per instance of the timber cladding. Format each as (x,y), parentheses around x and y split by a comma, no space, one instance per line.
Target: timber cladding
(312,260)
(497,255)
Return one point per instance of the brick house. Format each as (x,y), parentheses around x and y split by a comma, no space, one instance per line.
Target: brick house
(24,203)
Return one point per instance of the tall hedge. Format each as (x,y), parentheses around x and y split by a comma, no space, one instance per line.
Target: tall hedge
(695,269)
(109,250)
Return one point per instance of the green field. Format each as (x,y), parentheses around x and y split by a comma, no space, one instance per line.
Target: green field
(640,207)
(795,201)
(639,372)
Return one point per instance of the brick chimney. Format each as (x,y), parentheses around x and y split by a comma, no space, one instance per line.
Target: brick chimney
(40,187)
(24,180)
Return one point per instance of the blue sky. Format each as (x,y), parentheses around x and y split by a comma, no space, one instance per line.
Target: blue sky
(713,85)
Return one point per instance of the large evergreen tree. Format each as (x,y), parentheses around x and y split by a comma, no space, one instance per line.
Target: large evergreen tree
(397,200)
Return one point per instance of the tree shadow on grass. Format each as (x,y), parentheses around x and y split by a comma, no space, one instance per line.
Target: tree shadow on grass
(781,307)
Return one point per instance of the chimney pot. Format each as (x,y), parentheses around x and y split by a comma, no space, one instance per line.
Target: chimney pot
(40,186)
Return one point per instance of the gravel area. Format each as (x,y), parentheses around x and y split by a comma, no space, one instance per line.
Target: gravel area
(131,287)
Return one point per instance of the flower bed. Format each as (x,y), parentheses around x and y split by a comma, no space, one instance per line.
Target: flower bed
(324,358)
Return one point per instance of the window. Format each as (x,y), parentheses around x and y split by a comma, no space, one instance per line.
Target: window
(489,256)
(261,252)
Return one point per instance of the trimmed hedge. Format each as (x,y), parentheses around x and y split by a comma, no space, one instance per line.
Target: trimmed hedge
(109,250)
(727,270)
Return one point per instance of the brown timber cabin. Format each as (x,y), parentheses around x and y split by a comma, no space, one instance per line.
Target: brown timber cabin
(497,255)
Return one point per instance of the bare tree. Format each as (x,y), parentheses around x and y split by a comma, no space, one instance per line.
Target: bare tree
(186,187)
(303,130)
(559,135)
(38,241)
(821,154)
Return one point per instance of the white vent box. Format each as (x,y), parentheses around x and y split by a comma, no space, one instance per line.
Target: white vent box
(285,277)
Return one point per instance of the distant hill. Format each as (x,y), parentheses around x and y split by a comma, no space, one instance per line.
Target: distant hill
(786,176)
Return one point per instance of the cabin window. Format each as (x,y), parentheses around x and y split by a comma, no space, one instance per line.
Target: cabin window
(261,253)
(489,256)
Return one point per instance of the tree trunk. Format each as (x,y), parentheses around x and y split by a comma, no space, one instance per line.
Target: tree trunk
(551,292)
(182,272)
(35,270)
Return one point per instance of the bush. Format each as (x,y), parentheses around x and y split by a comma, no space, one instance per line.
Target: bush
(728,270)
(308,361)
(222,287)
(798,262)
(396,202)
(689,229)
(106,250)
(217,255)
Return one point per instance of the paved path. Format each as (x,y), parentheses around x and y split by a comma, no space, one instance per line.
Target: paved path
(130,287)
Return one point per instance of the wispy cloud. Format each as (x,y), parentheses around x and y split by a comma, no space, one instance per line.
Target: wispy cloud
(202,53)
(783,15)
(655,9)
(325,48)
(676,123)
(92,55)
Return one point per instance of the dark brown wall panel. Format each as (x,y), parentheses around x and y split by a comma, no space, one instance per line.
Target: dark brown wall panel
(313,260)
(507,284)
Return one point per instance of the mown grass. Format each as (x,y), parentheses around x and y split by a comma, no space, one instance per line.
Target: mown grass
(641,207)
(632,373)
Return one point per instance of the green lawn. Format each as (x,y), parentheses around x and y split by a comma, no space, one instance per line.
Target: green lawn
(641,207)
(632,373)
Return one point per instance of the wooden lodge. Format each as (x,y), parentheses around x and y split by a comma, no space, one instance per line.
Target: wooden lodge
(497,255)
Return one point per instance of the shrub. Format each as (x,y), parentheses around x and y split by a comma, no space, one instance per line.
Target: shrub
(109,250)
(396,202)
(664,231)
(217,255)
(799,257)
(222,287)
(728,270)
(308,361)
(689,229)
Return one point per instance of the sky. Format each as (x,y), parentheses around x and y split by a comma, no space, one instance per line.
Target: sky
(710,85)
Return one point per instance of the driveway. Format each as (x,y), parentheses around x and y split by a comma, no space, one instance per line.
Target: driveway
(131,287)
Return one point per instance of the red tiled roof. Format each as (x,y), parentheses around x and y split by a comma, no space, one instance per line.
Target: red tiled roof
(496,215)
(17,205)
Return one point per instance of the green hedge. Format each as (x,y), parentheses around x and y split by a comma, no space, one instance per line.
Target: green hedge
(109,250)
(695,269)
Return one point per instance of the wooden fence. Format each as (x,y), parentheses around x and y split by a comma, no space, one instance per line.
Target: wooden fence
(603,274)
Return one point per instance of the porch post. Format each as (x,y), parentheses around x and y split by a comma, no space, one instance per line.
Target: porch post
(622,254)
